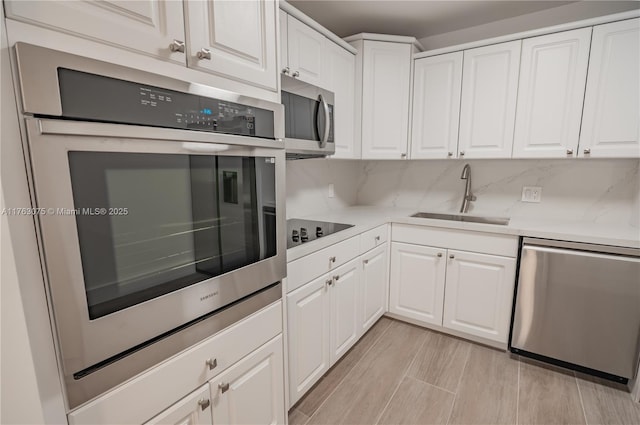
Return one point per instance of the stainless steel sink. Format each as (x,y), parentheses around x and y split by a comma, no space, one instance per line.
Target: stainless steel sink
(502,221)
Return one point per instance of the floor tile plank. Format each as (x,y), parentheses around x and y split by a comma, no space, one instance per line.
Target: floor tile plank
(296,417)
(441,361)
(366,390)
(418,403)
(607,402)
(548,395)
(488,389)
(319,393)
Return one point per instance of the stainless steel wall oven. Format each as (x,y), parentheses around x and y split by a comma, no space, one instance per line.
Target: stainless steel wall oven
(160,209)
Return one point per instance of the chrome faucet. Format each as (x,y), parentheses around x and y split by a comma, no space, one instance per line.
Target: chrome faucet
(468,196)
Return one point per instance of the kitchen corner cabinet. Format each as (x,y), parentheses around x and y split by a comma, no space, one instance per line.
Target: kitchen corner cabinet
(553,72)
(488,108)
(304,55)
(216,44)
(437,82)
(611,116)
(382,98)
(454,280)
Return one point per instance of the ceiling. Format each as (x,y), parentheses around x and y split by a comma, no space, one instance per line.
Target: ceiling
(418,18)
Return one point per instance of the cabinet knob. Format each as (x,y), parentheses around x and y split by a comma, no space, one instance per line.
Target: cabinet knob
(461,153)
(286,70)
(177,46)
(439,255)
(452,256)
(332,259)
(377,238)
(212,363)
(329,282)
(336,278)
(587,151)
(295,74)
(403,155)
(224,387)
(449,154)
(204,403)
(365,261)
(569,151)
(204,54)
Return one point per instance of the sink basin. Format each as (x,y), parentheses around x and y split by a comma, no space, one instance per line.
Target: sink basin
(502,221)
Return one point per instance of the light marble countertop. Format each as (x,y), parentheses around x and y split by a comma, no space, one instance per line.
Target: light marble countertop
(367,217)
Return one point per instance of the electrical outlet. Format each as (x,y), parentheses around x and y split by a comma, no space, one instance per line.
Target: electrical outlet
(331,191)
(531,194)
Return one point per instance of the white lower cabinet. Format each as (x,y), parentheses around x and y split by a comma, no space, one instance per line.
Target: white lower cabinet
(479,294)
(251,391)
(374,282)
(194,409)
(417,282)
(470,293)
(344,309)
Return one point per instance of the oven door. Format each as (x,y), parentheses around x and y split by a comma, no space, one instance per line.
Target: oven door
(146,229)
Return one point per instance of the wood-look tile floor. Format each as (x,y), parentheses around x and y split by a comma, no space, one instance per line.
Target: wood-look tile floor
(403,374)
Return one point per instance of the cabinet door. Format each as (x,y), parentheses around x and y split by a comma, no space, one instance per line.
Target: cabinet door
(479,294)
(488,109)
(308,322)
(385,99)
(251,391)
(341,76)
(194,409)
(306,52)
(344,309)
(146,26)
(374,284)
(553,73)
(237,38)
(284,48)
(416,289)
(437,82)
(611,117)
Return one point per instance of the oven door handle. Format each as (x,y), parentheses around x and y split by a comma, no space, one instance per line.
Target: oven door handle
(327,123)
(205,147)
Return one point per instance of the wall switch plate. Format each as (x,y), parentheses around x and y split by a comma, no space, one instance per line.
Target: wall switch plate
(331,191)
(531,193)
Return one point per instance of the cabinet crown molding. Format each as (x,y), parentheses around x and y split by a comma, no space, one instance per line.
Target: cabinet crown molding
(385,37)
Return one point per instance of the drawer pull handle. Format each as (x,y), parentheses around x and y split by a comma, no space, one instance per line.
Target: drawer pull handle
(439,254)
(569,151)
(377,238)
(177,46)
(336,278)
(204,403)
(332,259)
(452,256)
(365,261)
(223,387)
(204,54)
(587,151)
(212,363)
(329,282)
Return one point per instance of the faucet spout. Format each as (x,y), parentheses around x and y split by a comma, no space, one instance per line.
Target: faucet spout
(468,196)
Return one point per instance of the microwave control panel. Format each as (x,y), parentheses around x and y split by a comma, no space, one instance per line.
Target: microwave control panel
(98,98)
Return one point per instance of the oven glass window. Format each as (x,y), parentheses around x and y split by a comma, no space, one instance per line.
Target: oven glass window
(150,224)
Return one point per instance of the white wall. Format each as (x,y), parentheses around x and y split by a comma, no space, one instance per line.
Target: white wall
(602,191)
(558,15)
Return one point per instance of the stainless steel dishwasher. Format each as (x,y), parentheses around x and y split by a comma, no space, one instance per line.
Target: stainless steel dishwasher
(578,305)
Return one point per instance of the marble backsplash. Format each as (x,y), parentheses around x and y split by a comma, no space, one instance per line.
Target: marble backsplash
(598,190)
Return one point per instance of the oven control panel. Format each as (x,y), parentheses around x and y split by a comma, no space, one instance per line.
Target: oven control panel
(98,98)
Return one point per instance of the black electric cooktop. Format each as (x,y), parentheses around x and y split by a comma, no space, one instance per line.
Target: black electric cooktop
(303,231)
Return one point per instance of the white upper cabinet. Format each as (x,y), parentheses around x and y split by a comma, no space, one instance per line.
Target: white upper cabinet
(489,91)
(340,79)
(305,52)
(146,26)
(236,39)
(386,79)
(284,47)
(553,72)
(437,82)
(611,116)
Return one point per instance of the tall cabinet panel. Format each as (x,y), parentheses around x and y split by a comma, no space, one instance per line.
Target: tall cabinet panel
(374,284)
(611,117)
(305,52)
(146,26)
(553,72)
(236,39)
(386,70)
(489,90)
(344,309)
(340,79)
(437,82)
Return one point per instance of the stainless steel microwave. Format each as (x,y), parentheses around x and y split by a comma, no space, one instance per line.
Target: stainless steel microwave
(161,211)
(308,117)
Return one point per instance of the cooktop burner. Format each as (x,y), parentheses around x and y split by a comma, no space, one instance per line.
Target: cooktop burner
(302,231)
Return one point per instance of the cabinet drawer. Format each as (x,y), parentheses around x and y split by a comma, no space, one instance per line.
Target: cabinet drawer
(313,265)
(487,243)
(160,387)
(372,238)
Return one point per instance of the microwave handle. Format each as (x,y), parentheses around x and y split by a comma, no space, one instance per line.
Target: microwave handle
(204,147)
(327,123)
